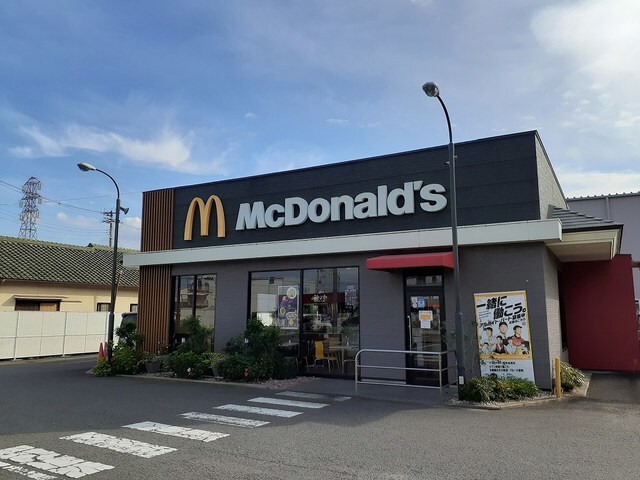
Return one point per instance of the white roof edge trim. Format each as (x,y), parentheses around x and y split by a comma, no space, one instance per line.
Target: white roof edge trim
(510,232)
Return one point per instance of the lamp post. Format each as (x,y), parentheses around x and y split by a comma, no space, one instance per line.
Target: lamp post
(432,90)
(85,167)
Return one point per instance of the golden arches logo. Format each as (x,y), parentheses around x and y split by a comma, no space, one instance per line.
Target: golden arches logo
(205,216)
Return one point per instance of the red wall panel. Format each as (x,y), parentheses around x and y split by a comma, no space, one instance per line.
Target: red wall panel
(602,328)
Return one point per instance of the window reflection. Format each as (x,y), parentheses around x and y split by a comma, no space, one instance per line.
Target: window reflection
(194,295)
(319,322)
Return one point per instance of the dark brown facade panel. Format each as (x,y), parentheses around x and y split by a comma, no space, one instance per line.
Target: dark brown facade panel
(155,306)
(157,220)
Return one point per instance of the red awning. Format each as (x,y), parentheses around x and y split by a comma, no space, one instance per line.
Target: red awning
(412,260)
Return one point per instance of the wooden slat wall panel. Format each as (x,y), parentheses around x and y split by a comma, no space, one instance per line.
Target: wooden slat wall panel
(157,220)
(154,310)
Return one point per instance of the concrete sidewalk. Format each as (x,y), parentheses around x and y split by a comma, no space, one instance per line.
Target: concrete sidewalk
(613,387)
(399,393)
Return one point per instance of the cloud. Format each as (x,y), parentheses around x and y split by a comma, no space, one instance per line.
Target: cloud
(277,158)
(576,183)
(598,43)
(341,122)
(166,148)
(250,115)
(48,146)
(80,222)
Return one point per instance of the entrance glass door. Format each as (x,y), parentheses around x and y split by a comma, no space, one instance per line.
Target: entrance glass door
(425,333)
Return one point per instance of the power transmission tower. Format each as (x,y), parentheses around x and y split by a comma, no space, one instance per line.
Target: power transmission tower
(29,204)
(108,219)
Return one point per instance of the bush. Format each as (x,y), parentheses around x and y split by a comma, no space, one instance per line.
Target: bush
(103,369)
(260,340)
(212,361)
(232,367)
(494,389)
(188,365)
(285,368)
(125,360)
(128,336)
(570,378)
(257,350)
(199,339)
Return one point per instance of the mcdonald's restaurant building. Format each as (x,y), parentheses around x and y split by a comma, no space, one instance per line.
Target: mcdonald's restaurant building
(358,255)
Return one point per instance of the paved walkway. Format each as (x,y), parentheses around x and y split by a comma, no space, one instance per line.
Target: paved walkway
(614,388)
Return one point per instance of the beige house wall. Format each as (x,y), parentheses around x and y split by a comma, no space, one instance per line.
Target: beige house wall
(73,298)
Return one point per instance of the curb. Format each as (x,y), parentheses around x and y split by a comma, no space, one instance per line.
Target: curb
(579,393)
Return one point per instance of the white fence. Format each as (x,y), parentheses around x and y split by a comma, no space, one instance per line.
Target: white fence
(43,334)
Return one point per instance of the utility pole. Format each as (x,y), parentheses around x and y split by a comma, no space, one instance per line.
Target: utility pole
(108,218)
(29,204)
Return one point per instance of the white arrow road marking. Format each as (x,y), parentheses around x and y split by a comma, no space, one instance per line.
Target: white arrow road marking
(51,462)
(260,411)
(222,420)
(183,432)
(122,445)
(288,403)
(313,396)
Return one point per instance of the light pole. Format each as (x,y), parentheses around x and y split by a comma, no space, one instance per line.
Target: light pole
(85,167)
(432,90)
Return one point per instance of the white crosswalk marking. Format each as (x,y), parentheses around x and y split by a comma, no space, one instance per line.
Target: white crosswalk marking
(288,403)
(25,472)
(313,396)
(122,445)
(51,462)
(182,432)
(261,411)
(223,420)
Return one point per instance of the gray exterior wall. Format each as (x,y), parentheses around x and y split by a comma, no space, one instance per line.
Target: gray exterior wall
(503,268)
(549,190)
(381,295)
(625,209)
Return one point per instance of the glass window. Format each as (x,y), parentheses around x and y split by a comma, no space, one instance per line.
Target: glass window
(423,280)
(38,305)
(275,300)
(103,306)
(331,318)
(194,295)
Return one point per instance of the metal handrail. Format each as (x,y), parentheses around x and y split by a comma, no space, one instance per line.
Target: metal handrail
(358,366)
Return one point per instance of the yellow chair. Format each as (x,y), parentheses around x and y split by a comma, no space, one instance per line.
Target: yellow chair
(320,355)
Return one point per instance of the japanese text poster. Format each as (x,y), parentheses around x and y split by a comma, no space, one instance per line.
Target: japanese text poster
(504,340)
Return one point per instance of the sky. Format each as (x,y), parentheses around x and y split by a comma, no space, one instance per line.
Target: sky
(160,94)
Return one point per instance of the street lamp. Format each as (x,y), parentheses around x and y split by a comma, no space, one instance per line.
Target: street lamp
(432,90)
(85,167)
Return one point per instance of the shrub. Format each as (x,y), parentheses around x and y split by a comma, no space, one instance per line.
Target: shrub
(212,361)
(103,368)
(128,336)
(188,365)
(285,368)
(199,337)
(257,350)
(570,378)
(125,360)
(260,340)
(494,389)
(232,367)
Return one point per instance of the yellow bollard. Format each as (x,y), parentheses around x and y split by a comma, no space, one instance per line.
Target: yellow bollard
(558,378)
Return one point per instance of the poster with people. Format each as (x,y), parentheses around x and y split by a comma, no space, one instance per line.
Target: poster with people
(504,340)
(288,307)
